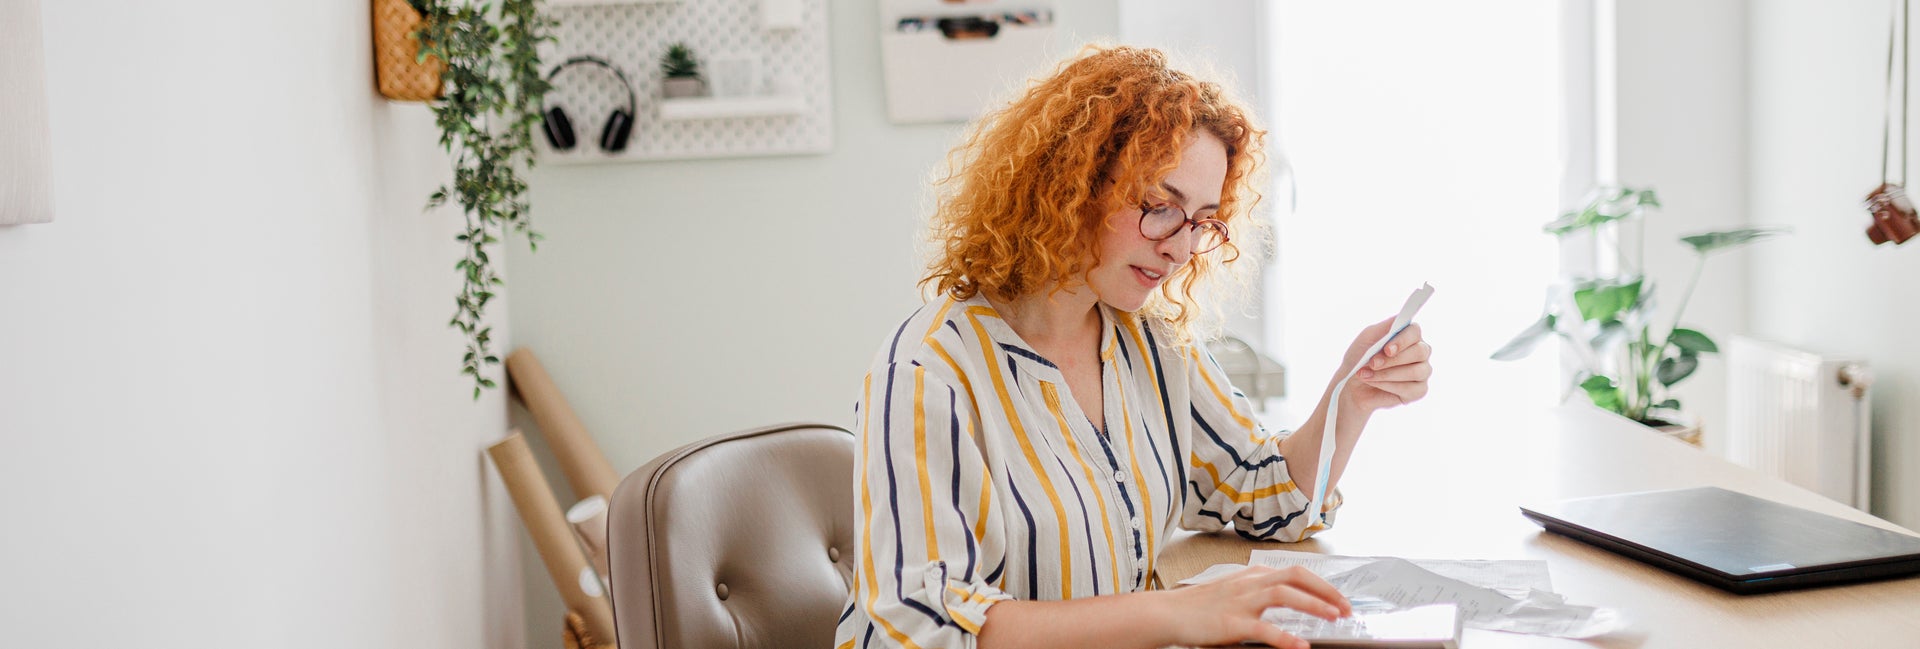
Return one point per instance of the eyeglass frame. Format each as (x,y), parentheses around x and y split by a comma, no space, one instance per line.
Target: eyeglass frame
(1187,223)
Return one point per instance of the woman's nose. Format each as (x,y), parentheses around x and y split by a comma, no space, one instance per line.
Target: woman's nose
(1179,247)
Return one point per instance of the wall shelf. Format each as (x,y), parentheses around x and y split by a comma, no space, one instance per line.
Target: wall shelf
(787,110)
(686,108)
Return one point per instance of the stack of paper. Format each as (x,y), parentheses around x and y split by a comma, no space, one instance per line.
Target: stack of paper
(1512,596)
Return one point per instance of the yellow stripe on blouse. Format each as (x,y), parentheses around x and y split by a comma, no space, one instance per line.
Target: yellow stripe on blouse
(967,499)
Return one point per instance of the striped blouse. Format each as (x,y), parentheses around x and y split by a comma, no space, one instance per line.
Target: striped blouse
(978,480)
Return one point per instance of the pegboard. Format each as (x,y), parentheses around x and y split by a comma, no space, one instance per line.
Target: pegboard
(793,62)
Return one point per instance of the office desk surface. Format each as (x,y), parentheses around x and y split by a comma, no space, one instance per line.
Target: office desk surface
(1420,489)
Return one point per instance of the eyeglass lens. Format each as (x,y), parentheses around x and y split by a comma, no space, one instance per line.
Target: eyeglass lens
(1162,221)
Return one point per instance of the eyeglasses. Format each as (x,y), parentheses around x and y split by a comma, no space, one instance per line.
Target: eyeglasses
(1161,221)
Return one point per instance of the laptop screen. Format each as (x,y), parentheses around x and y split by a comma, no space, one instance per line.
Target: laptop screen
(1732,533)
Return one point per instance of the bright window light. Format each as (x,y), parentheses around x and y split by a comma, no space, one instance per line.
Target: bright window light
(1425,138)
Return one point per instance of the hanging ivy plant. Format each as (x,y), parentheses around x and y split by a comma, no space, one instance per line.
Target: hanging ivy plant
(486,116)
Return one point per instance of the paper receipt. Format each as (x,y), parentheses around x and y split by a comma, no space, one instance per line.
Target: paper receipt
(1327,436)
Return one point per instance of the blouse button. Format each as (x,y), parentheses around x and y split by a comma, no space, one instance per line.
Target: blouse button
(721,590)
(833,554)
(1119,477)
(1135,522)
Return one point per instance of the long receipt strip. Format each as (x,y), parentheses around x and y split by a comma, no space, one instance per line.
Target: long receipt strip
(1327,436)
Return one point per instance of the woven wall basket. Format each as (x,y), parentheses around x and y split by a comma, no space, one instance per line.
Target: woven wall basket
(394,48)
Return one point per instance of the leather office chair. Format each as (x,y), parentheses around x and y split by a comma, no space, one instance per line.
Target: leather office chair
(741,540)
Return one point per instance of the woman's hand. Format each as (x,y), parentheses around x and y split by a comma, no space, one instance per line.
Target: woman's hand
(1395,376)
(1227,611)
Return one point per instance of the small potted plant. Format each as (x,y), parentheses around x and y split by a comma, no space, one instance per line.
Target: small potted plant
(680,73)
(1627,363)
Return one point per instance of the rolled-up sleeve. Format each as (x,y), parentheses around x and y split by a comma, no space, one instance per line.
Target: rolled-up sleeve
(925,513)
(1238,474)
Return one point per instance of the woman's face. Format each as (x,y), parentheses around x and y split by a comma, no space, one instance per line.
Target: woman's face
(1133,266)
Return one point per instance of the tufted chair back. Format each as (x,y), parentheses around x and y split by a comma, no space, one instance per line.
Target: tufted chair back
(743,540)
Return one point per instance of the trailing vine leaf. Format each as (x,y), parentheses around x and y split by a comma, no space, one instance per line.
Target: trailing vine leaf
(486,119)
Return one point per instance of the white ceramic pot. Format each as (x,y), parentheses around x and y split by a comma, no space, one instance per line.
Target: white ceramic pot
(674,87)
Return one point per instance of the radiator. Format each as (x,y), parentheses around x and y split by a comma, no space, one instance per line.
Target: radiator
(1801,417)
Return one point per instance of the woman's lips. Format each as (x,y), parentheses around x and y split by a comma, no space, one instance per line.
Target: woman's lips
(1147,277)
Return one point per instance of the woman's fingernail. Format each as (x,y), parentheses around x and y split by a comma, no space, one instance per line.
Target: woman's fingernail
(1393,349)
(1366,373)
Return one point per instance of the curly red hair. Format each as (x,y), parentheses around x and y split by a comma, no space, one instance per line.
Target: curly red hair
(1026,193)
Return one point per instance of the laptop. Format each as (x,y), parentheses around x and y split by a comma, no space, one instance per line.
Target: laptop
(1737,542)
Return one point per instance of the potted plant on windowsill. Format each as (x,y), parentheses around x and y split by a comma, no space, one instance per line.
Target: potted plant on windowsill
(680,73)
(1628,365)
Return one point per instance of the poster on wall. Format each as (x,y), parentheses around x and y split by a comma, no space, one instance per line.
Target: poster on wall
(948,61)
(26,184)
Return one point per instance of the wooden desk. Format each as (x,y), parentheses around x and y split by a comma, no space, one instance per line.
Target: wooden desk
(1421,489)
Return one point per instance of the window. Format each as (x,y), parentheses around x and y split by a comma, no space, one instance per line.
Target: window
(1426,141)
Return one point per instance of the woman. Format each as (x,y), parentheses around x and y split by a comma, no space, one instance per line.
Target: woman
(1029,439)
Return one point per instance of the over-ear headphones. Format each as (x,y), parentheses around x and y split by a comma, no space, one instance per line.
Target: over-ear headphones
(613,136)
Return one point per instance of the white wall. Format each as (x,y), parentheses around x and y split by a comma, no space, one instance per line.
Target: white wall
(1815,130)
(675,301)
(1681,83)
(1768,113)
(1228,38)
(228,397)
(1227,34)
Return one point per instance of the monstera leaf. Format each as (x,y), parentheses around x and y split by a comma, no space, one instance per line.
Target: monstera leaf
(1523,344)
(1607,205)
(1712,241)
(1675,368)
(1615,310)
(1603,300)
(1692,341)
(1604,393)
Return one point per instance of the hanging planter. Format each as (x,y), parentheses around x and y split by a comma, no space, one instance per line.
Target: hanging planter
(399,69)
(493,96)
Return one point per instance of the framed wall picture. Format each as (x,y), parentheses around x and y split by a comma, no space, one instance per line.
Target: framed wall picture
(26,183)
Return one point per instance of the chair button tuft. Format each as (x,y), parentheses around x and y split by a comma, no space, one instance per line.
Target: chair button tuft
(833,554)
(721,590)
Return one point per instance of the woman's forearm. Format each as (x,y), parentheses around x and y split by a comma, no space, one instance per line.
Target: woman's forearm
(1302,448)
(1105,622)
